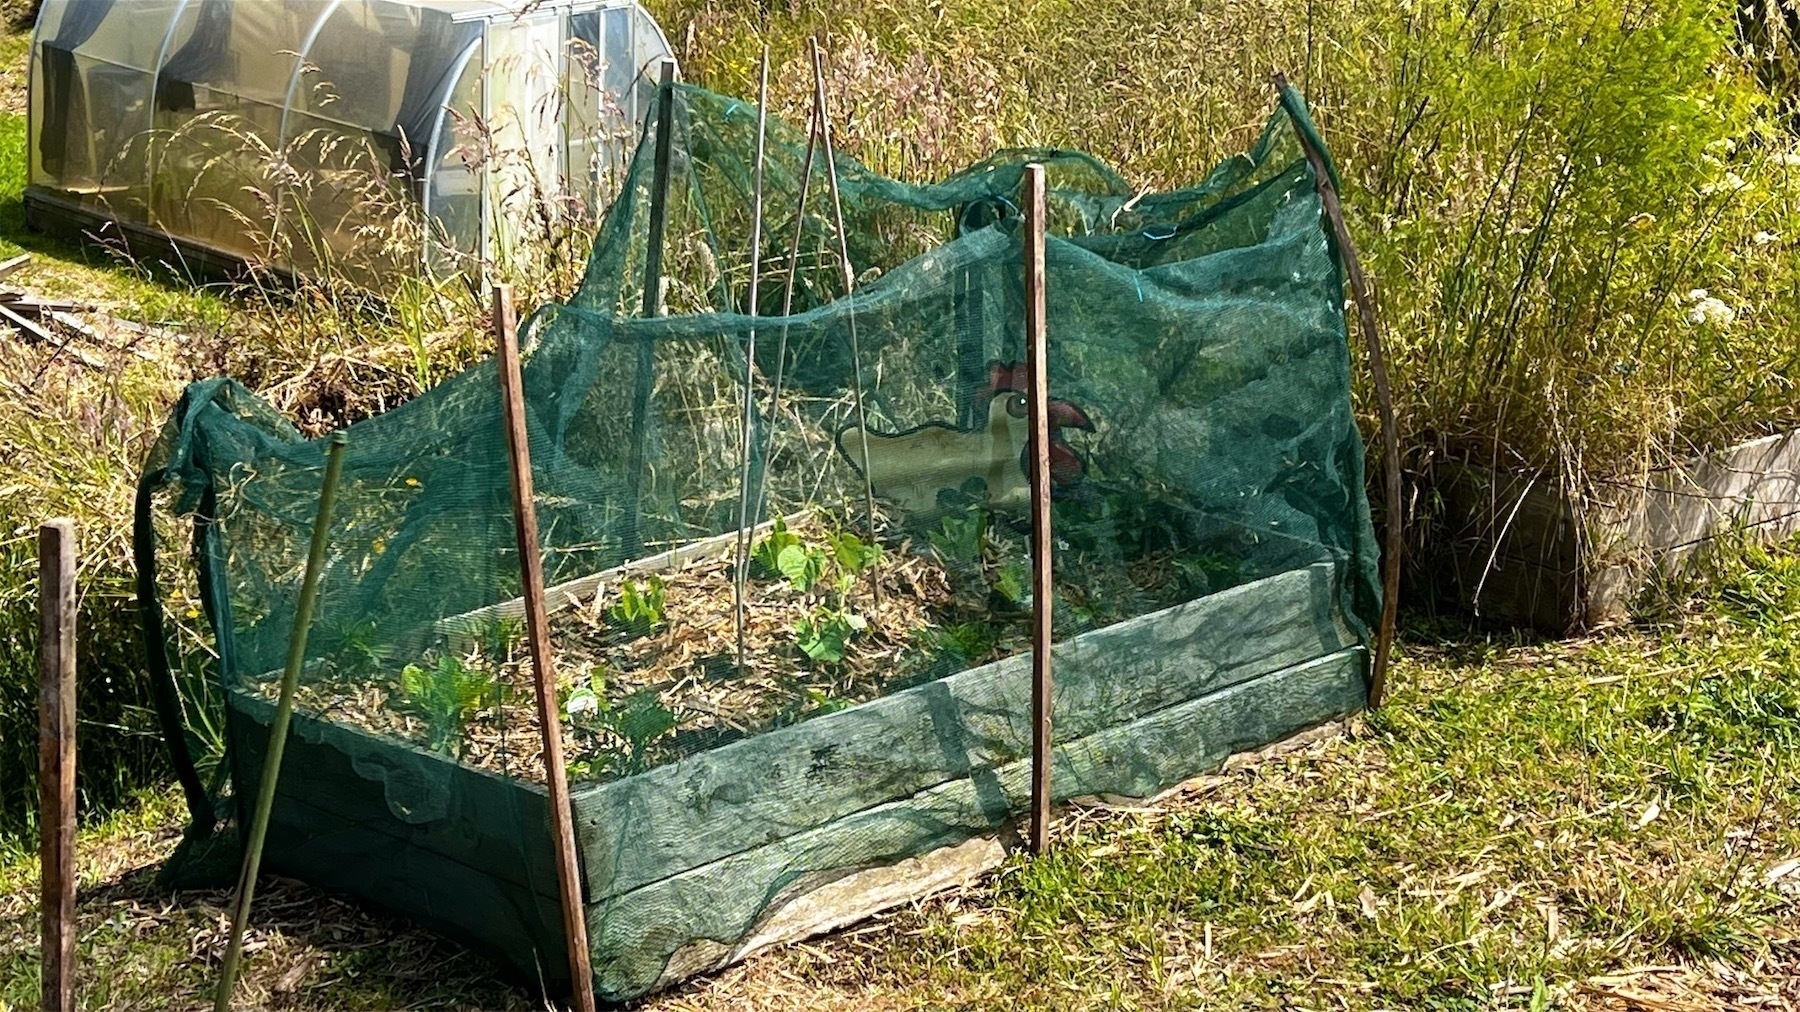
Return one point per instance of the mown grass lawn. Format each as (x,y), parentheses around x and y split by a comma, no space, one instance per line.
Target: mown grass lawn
(1604,823)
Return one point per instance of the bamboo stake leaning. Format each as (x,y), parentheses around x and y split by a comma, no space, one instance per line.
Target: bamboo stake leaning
(837,213)
(1042,587)
(278,728)
(537,637)
(56,761)
(740,575)
(1384,397)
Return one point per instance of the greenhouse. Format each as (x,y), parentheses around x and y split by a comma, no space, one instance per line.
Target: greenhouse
(785,539)
(371,137)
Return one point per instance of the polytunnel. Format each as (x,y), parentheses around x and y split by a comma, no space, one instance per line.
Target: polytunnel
(363,136)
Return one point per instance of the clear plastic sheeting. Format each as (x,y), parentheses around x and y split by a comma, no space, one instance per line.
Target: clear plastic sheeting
(367,136)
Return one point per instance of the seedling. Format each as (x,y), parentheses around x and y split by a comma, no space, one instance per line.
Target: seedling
(446,697)
(824,636)
(958,538)
(1012,581)
(766,554)
(639,609)
(853,555)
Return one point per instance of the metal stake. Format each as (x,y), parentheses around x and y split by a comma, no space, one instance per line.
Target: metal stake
(837,212)
(787,302)
(278,728)
(744,518)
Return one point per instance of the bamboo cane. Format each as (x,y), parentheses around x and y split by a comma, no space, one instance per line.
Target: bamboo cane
(278,728)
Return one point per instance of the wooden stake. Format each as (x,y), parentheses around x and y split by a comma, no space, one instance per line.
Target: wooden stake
(1037,358)
(787,306)
(56,760)
(537,637)
(278,728)
(653,272)
(1384,397)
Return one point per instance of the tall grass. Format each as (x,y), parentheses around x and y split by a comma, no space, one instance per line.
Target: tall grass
(1538,187)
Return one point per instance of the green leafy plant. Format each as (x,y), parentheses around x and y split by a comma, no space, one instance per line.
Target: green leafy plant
(500,639)
(640,720)
(969,642)
(959,536)
(446,697)
(356,656)
(853,555)
(639,609)
(802,565)
(824,636)
(1012,580)
(766,554)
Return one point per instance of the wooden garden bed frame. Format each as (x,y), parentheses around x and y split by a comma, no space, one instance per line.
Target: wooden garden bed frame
(693,865)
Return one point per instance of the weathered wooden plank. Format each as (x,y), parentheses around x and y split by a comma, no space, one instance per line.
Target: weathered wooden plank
(462,629)
(518,928)
(779,783)
(672,928)
(1556,565)
(416,798)
(1749,484)
(1514,590)
(1505,516)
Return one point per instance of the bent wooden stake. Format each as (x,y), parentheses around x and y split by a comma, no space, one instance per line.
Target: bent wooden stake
(56,759)
(1384,398)
(537,637)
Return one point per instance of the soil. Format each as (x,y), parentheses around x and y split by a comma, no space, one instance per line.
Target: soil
(652,696)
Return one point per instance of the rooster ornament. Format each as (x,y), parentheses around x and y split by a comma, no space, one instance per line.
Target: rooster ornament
(911,468)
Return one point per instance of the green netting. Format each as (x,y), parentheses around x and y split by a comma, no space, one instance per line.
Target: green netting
(1211,526)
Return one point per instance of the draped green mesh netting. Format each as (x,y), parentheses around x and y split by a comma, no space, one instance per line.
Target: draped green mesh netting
(1203,446)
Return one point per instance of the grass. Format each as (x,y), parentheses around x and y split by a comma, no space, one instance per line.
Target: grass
(1526,825)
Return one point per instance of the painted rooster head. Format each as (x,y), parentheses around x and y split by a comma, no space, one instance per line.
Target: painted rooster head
(1014,378)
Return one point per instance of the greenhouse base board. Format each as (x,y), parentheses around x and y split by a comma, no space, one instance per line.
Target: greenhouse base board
(49,214)
(798,830)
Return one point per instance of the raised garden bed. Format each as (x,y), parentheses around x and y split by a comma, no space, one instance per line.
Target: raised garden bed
(694,863)
(1520,550)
